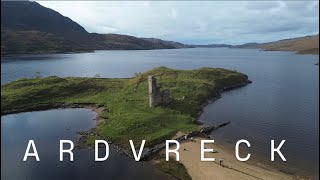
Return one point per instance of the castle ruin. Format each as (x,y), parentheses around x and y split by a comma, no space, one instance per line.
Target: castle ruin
(157,97)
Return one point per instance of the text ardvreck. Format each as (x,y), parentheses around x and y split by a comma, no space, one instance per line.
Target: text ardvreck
(137,155)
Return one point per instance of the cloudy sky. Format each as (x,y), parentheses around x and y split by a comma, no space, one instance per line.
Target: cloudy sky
(202,22)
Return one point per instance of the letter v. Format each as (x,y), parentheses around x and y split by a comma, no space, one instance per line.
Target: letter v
(137,157)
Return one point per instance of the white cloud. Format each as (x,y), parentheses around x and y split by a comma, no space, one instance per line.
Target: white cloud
(232,22)
(173,13)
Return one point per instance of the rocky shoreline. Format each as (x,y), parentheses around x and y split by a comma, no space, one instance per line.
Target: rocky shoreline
(48,106)
(159,147)
(218,96)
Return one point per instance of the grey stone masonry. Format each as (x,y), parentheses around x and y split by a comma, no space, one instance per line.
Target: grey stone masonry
(157,97)
(153,91)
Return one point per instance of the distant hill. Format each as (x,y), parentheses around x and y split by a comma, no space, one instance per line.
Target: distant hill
(246,45)
(167,43)
(118,42)
(213,46)
(28,27)
(302,45)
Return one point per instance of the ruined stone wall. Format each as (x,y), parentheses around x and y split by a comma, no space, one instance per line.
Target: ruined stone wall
(153,91)
(157,97)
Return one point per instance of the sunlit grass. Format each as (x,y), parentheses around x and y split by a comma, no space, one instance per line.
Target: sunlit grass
(128,115)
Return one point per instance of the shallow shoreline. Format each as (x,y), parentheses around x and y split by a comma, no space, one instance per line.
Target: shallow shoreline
(230,168)
(293,51)
(48,106)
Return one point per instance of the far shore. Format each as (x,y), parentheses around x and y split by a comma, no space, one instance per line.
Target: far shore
(93,51)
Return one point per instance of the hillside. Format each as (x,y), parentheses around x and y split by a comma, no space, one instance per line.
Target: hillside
(302,45)
(247,45)
(167,43)
(33,42)
(118,42)
(29,28)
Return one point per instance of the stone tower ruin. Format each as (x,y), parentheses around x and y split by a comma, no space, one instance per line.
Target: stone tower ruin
(157,97)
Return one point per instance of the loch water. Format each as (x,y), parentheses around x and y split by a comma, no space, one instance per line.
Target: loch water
(281,103)
(47,128)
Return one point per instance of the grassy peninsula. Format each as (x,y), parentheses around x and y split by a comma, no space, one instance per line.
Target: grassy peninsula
(128,115)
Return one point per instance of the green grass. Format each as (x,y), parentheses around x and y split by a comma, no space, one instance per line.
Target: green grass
(128,115)
(172,167)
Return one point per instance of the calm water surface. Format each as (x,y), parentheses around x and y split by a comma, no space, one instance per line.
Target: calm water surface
(281,103)
(46,128)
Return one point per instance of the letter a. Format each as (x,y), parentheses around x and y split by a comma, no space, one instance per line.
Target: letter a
(27,153)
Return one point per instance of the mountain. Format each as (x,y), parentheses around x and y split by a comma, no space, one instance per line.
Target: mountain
(26,16)
(27,27)
(33,42)
(302,45)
